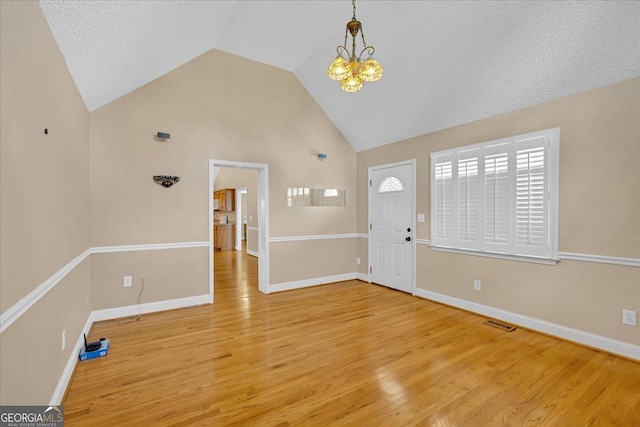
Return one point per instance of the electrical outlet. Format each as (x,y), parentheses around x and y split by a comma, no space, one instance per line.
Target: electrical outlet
(629,317)
(477,285)
(358,260)
(127,281)
(64,339)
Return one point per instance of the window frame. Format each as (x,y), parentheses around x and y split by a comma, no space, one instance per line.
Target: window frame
(549,140)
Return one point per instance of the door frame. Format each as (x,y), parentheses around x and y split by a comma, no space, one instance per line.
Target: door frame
(371,194)
(241,193)
(263,219)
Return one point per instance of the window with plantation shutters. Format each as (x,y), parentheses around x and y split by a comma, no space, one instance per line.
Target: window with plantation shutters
(498,198)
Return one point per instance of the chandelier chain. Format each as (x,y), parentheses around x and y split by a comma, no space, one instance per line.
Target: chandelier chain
(353,2)
(362,34)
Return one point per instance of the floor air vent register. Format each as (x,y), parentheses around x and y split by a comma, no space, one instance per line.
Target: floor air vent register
(500,325)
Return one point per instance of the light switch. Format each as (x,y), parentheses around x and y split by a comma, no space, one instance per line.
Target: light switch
(420,217)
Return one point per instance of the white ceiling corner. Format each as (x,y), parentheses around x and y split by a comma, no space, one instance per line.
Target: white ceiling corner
(446,63)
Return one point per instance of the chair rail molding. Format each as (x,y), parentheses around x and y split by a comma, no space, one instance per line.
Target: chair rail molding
(312,237)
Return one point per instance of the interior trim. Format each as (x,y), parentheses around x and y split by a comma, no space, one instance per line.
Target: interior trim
(148,247)
(18,309)
(67,373)
(602,259)
(521,258)
(571,256)
(297,284)
(262,217)
(574,335)
(253,253)
(363,277)
(148,307)
(14,312)
(312,237)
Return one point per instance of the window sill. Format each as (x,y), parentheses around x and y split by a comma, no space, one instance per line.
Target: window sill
(521,258)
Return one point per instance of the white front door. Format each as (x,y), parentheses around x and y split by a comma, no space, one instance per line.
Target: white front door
(391,228)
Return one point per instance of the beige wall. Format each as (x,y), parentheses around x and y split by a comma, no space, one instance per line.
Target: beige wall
(599,211)
(45,187)
(243,178)
(218,106)
(31,359)
(44,206)
(167,274)
(296,264)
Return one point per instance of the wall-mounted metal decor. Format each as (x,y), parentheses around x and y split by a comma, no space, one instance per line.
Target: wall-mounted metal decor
(166,180)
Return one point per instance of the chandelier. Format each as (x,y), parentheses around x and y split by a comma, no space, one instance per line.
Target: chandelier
(352,70)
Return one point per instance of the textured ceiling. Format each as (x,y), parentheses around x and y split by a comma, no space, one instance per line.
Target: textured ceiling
(446,63)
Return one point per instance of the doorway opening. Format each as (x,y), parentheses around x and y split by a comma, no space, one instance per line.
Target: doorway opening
(262,210)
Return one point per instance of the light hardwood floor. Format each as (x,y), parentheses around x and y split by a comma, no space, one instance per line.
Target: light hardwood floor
(348,353)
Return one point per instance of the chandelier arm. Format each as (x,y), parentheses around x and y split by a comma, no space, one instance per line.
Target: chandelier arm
(343,48)
(370,50)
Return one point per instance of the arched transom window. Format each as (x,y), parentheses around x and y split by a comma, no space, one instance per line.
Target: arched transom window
(390,184)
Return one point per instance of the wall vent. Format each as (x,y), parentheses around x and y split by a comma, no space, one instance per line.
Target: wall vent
(500,325)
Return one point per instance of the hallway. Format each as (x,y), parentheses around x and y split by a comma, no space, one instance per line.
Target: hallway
(235,275)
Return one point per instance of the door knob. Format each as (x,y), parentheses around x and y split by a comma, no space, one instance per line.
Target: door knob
(408,239)
(408,230)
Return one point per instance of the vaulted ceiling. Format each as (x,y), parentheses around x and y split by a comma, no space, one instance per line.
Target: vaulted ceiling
(446,63)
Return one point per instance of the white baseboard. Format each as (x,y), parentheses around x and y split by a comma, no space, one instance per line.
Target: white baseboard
(592,340)
(363,277)
(149,307)
(252,253)
(63,382)
(311,282)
